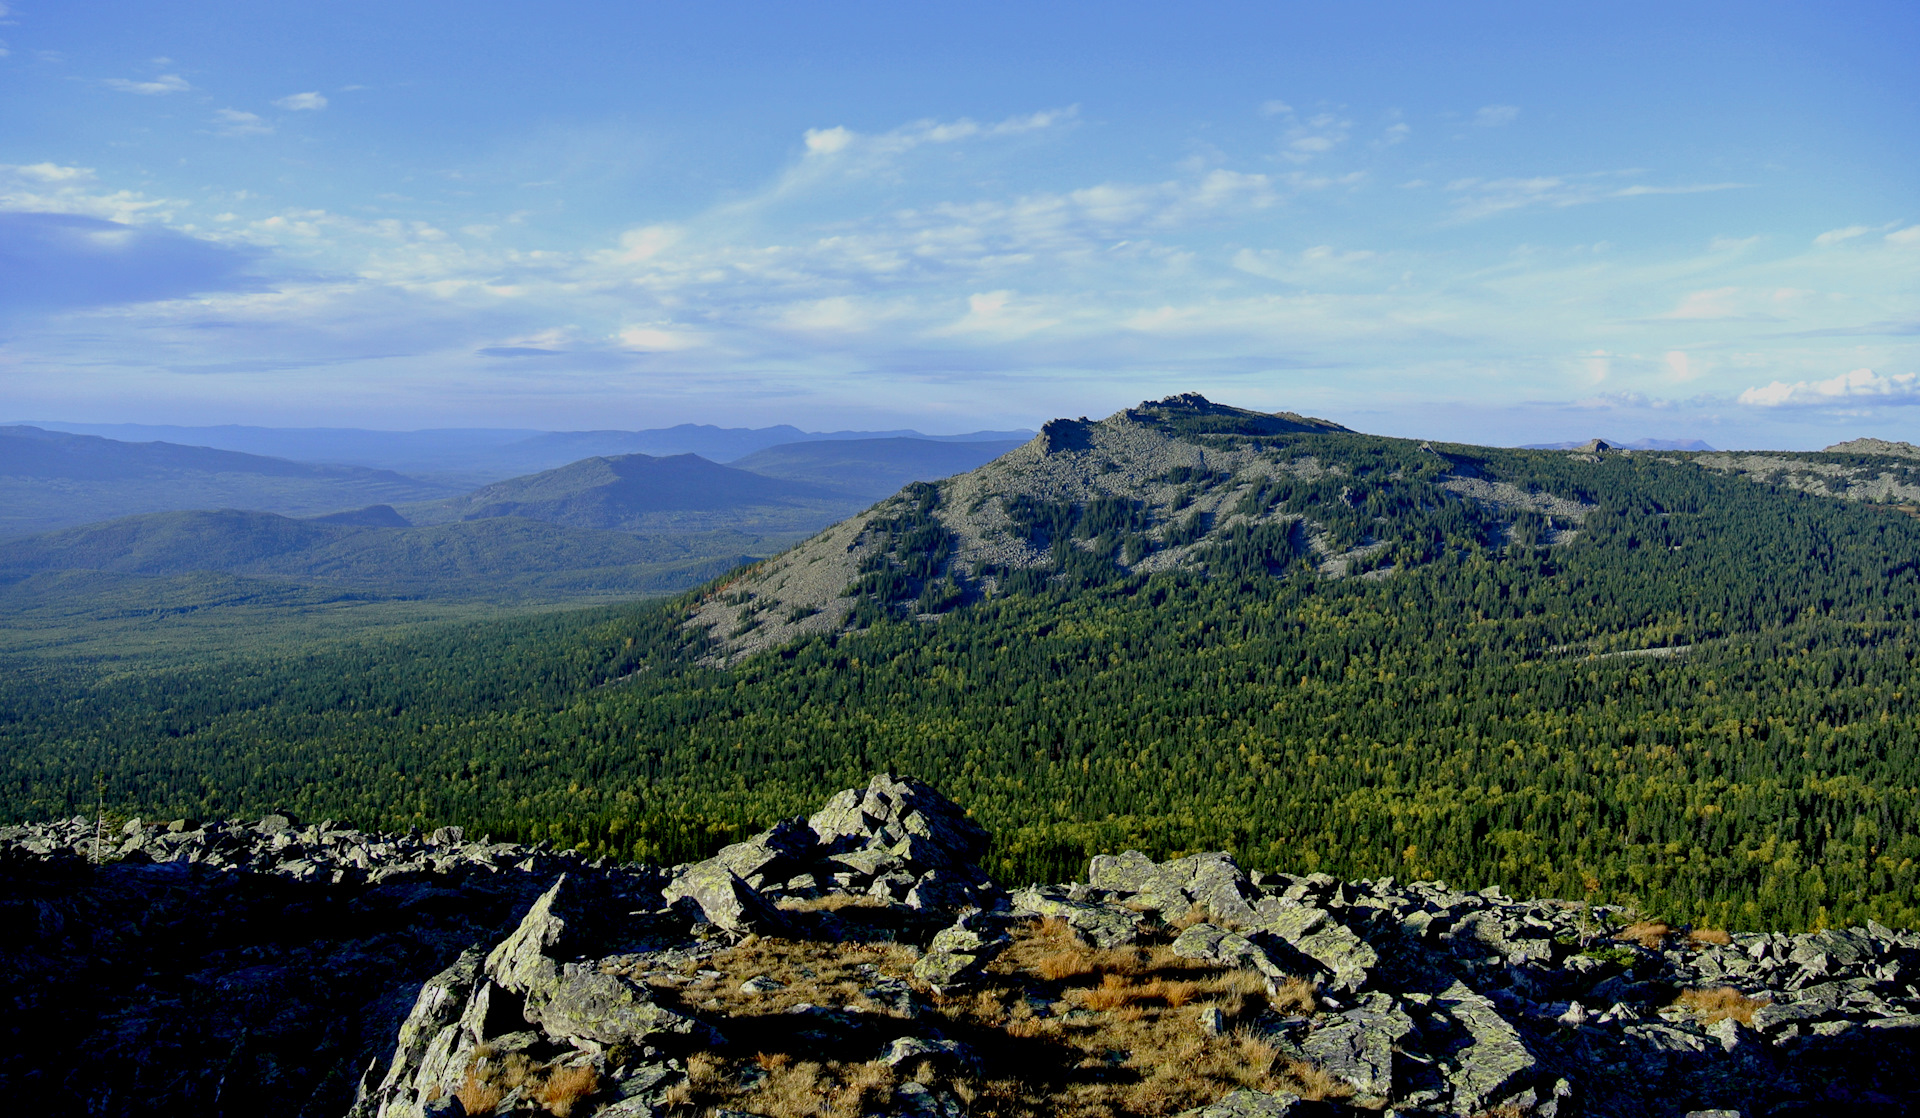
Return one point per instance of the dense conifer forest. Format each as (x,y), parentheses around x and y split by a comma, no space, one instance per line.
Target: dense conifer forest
(1702,705)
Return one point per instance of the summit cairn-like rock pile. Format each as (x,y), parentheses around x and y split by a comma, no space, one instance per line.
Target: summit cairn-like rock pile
(859,962)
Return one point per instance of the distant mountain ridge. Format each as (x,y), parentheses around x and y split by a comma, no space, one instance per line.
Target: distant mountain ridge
(478,455)
(1637,444)
(52,479)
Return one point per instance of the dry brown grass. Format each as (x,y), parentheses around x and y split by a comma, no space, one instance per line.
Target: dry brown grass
(1059,1029)
(567,1088)
(832,902)
(1718,1003)
(1711,936)
(1650,934)
(477,1097)
(490,1079)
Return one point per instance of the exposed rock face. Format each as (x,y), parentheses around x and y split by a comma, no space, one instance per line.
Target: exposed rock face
(190,986)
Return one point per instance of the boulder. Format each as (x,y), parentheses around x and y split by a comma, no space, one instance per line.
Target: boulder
(958,956)
(1246,1103)
(1102,925)
(1492,1062)
(1347,959)
(607,1009)
(723,900)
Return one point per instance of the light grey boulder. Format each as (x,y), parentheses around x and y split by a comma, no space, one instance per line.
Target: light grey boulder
(912,1049)
(957,957)
(1102,925)
(1348,959)
(1494,1060)
(1246,1103)
(903,817)
(521,963)
(723,900)
(1357,1047)
(1214,944)
(590,1005)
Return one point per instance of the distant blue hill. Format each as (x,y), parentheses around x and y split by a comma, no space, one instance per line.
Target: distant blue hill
(476,456)
(1637,444)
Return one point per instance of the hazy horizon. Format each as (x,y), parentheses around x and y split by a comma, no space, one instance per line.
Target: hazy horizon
(1494,224)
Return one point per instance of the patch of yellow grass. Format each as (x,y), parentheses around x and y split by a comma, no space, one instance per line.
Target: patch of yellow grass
(489,1079)
(1650,934)
(1718,1003)
(1058,1029)
(1713,936)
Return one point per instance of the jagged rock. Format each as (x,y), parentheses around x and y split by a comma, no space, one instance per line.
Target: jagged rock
(1358,1046)
(761,984)
(520,962)
(724,900)
(904,817)
(1248,1104)
(958,956)
(1228,949)
(1493,1060)
(915,1100)
(772,855)
(1313,932)
(912,1049)
(608,1009)
(1101,925)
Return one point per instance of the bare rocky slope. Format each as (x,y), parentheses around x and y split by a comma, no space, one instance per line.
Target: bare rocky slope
(1170,472)
(858,962)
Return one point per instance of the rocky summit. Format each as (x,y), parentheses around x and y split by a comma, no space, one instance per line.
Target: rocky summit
(859,962)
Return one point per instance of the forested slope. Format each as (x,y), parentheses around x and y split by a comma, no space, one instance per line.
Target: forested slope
(1701,701)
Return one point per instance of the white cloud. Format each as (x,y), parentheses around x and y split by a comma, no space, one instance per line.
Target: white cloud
(1861,386)
(1680,367)
(54,188)
(1493,116)
(1908,236)
(302,102)
(165,83)
(1835,236)
(838,139)
(1274,108)
(996,315)
(1395,133)
(1483,198)
(657,337)
(234,122)
(827,141)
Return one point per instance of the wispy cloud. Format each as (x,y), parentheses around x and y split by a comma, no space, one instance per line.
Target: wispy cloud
(1494,116)
(234,122)
(302,102)
(1861,386)
(1480,198)
(164,84)
(56,188)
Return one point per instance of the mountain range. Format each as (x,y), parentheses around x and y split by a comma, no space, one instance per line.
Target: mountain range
(1676,681)
(466,457)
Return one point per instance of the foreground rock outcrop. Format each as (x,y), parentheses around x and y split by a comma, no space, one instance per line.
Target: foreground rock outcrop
(858,961)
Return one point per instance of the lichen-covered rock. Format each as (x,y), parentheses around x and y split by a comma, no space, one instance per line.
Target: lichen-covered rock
(904,817)
(1357,1046)
(1229,949)
(608,1009)
(724,900)
(521,962)
(1248,1104)
(1102,925)
(958,956)
(1347,959)
(1494,1059)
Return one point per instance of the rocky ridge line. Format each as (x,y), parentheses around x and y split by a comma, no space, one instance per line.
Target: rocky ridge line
(1427,1000)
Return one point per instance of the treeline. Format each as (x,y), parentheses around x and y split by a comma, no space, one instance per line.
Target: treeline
(1703,705)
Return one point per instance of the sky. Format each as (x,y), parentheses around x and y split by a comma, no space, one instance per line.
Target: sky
(1485,222)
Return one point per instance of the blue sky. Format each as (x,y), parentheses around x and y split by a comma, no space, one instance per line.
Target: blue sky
(1491,222)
